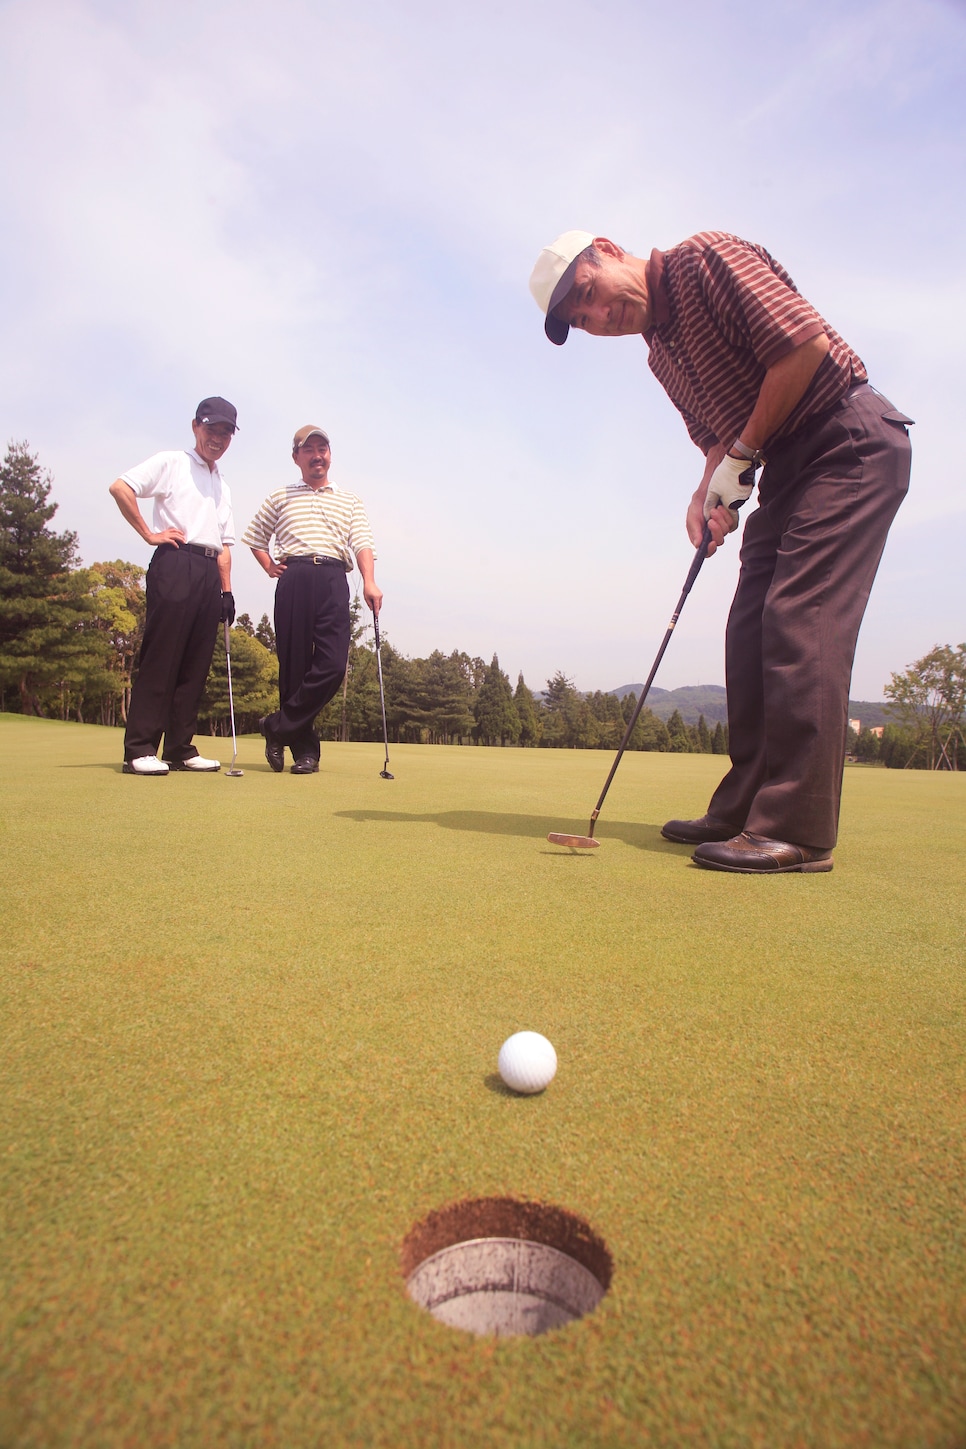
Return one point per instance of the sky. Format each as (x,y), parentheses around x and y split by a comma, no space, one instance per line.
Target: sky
(329,214)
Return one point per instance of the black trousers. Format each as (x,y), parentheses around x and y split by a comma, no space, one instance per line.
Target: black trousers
(183,611)
(312,639)
(809,555)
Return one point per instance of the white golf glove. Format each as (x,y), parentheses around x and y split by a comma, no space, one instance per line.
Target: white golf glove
(731,482)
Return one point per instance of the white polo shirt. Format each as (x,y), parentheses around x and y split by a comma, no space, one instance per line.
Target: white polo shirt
(187,495)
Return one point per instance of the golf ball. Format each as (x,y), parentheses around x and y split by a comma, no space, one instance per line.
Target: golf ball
(527,1062)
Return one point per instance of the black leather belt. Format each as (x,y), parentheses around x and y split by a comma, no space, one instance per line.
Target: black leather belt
(195,548)
(313,558)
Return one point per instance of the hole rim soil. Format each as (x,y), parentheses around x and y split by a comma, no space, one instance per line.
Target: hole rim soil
(503,1223)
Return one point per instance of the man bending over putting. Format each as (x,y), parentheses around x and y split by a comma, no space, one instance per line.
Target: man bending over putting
(188,590)
(318,529)
(760,380)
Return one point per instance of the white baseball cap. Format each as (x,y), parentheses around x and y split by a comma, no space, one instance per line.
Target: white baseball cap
(553,277)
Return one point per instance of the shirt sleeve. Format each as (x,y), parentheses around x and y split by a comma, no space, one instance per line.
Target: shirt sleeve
(754,301)
(259,532)
(360,534)
(226,517)
(152,478)
(701,435)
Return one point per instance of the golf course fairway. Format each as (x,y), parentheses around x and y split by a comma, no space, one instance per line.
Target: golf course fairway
(250,1033)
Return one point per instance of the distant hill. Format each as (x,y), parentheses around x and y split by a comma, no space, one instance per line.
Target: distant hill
(869,714)
(710,700)
(692,700)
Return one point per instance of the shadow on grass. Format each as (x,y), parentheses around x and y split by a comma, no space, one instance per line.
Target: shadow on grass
(536,827)
(118,769)
(114,766)
(495,1084)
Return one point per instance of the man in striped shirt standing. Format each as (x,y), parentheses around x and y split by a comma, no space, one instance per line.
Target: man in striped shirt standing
(759,378)
(319,532)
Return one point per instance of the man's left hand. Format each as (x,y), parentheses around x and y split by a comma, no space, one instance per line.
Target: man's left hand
(227,608)
(731,482)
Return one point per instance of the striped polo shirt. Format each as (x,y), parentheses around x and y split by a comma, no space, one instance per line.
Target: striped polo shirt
(723,312)
(308,520)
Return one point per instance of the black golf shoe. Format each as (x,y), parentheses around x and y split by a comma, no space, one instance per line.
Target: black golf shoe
(307,765)
(274,749)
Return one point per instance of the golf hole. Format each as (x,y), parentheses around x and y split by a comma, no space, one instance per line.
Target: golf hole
(494,1265)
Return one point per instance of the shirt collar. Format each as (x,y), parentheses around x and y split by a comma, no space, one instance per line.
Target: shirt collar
(326,487)
(657,291)
(193,453)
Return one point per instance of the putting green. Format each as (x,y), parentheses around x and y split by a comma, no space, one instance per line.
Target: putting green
(250,1035)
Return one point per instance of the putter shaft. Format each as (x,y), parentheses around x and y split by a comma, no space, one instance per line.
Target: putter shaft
(231,706)
(585,842)
(384,772)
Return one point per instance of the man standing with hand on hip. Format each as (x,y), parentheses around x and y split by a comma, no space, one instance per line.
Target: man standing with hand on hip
(319,531)
(188,590)
(759,378)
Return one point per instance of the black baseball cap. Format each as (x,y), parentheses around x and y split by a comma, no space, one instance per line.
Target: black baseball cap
(216,410)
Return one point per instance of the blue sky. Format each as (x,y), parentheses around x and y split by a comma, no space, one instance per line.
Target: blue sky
(329,214)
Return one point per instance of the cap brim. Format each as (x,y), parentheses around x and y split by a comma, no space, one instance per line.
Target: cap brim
(556,329)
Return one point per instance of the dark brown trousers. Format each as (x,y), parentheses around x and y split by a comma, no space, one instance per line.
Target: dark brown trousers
(808,558)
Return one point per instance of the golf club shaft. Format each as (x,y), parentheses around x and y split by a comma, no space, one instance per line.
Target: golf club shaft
(231,697)
(700,555)
(382,692)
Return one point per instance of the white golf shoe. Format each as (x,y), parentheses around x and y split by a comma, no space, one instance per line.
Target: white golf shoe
(145,765)
(198,763)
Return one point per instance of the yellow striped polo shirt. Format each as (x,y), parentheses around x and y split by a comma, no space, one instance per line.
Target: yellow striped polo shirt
(311,521)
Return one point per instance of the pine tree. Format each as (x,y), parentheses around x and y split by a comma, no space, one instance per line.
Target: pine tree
(265,634)
(43,603)
(606,710)
(526,708)
(680,739)
(704,736)
(497,721)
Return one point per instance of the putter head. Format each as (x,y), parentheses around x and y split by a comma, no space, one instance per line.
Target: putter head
(385,775)
(576,842)
(233,774)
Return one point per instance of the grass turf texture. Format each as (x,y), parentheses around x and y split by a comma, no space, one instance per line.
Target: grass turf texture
(251,1030)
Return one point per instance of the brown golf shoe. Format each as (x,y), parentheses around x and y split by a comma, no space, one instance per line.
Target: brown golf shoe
(696,832)
(757,855)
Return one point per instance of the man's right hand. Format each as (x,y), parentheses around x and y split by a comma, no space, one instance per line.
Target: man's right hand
(167,535)
(721,522)
(264,559)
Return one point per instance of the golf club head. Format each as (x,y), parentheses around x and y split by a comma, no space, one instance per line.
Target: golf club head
(234,774)
(576,842)
(385,775)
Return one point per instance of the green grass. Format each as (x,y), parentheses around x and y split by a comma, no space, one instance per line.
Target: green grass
(250,1029)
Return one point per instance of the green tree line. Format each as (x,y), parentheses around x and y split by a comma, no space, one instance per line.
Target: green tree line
(69,641)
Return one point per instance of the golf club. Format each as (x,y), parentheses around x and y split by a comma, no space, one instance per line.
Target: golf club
(587,842)
(231,709)
(384,772)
